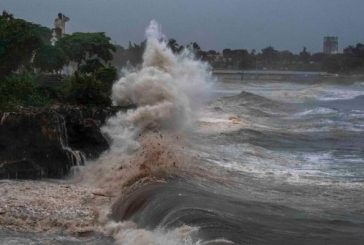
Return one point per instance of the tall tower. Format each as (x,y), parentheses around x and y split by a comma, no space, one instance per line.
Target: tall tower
(331,45)
(59,28)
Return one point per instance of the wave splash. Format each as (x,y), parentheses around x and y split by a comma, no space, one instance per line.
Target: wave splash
(164,91)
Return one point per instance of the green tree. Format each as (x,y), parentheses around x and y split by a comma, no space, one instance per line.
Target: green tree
(354,57)
(20,90)
(107,75)
(195,49)
(92,84)
(333,63)
(49,58)
(286,57)
(18,42)
(305,56)
(87,90)
(91,66)
(269,55)
(80,47)
(174,46)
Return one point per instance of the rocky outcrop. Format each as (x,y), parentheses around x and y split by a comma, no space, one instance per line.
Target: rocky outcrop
(83,128)
(47,143)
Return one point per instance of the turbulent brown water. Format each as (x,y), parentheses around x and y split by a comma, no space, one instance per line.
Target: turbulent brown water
(211,162)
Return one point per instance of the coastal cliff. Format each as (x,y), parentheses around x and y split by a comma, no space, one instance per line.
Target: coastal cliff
(47,143)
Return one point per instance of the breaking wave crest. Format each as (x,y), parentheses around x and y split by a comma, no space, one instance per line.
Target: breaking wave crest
(146,141)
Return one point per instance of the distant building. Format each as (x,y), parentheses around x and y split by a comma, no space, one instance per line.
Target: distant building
(59,28)
(331,45)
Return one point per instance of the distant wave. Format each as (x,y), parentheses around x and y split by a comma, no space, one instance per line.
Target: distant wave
(253,105)
(247,98)
(316,111)
(340,94)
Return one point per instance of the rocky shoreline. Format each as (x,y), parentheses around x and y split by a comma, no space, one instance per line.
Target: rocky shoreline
(47,142)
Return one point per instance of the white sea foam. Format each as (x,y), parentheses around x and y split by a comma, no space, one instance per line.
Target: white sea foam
(128,233)
(316,111)
(339,94)
(166,91)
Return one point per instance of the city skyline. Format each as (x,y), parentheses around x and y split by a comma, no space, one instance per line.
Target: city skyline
(283,24)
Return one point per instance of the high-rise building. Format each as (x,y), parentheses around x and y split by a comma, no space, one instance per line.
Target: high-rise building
(331,45)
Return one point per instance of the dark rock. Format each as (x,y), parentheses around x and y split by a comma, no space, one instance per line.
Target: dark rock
(83,129)
(46,143)
(23,169)
(35,138)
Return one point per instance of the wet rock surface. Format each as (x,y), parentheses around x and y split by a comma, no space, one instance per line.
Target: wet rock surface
(83,128)
(46,143)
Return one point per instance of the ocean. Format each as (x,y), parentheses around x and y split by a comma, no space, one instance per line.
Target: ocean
(201,160)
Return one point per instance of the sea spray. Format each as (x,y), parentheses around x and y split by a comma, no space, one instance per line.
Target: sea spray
(164,91)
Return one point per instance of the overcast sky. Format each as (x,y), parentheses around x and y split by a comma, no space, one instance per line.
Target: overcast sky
(214,24)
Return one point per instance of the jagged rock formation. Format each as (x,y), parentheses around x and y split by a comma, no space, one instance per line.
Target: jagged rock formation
(46,143)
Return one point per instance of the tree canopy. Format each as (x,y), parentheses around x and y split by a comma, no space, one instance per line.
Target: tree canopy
(19,40)
(49,58)
(174,46)
(80,47)
(25,46)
